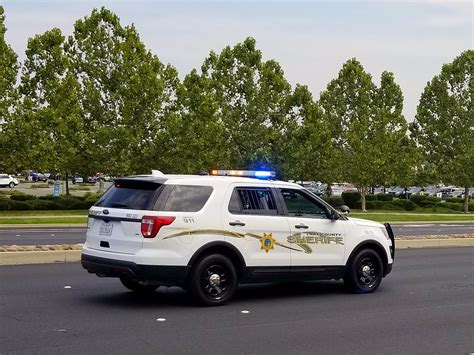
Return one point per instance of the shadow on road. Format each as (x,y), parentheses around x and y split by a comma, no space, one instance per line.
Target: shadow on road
(175,296)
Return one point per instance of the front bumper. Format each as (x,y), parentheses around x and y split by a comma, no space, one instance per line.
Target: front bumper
(164,274)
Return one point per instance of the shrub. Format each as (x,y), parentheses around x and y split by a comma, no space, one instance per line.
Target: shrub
(453,206)
(334,201)
(43,205)
(370,197)
(92,197)
(428,204)
(351,198)
(12,205)
(418,198)
(384,197)
(390,205)
(22,197)
(407,205)
(433,199)
(455,199)
(40,186)
(370,205)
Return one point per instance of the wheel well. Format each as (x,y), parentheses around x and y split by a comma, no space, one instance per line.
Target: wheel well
(222,248)
(375,246)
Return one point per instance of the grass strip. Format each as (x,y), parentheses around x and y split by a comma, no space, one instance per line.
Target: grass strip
(43,220)
(61,213)
(402,217)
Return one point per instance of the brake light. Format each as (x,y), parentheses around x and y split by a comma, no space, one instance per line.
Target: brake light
(151,225)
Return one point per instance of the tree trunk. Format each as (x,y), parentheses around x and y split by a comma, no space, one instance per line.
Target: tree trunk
(101,185)
(363,192)
(67,185)
(466,199)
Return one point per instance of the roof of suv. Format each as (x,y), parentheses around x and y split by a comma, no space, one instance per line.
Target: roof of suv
(204,179)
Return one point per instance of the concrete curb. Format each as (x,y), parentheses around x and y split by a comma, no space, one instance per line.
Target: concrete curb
(39,257)
(61,256)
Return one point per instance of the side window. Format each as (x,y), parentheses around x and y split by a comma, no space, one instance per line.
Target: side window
(300,204)
(252,200)
(187,198)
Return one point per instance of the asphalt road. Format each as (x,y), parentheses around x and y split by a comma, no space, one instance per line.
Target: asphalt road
(41,236)
(426,306)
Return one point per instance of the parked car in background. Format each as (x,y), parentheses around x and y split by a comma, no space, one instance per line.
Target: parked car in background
(77,179)
(37,177)
(8,181)
(92,179)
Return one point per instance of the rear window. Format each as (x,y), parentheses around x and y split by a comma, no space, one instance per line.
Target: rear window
(183,198)
(129,194)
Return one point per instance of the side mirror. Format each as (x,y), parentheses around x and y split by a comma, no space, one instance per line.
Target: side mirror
(345,209)
(334,215)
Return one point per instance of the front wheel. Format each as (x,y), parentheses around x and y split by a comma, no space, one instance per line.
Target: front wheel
(213,280)
(365,272)
(143,287)
(11,185)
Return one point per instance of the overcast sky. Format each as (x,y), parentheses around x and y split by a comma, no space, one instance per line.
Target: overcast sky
(310,39)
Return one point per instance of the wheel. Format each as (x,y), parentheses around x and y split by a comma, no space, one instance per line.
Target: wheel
(139,286)
(213,280)
(365,272)
(11,185)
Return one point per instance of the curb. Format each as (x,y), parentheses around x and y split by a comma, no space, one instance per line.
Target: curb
(61,256)
(39,257)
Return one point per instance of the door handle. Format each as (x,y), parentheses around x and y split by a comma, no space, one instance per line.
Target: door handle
(237,223)
(301,226)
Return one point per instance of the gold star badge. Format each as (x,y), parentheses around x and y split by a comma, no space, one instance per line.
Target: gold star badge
(267,242)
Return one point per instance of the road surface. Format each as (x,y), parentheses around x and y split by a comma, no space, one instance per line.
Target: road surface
(425,306)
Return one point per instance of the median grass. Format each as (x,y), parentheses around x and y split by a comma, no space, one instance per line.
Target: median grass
(80,217)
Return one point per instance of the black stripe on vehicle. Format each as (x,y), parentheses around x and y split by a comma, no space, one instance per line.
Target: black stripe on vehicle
(110,218)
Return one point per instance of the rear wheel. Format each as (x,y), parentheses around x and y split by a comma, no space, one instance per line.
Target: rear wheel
(213,280)
(365,272)
(139,286)
(11,185)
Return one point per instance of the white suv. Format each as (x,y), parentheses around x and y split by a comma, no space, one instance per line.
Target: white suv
(211,233)
(8,180)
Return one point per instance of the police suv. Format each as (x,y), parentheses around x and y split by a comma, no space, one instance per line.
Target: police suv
(211,233)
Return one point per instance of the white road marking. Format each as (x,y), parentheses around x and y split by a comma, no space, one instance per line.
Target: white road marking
(67,286)
(245,312)
(160,319)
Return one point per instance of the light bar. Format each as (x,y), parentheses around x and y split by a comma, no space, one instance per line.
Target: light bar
(259,174)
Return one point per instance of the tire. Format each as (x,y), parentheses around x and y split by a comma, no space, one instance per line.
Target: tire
(11,185)
(365,272)
(142,287)
(213,280)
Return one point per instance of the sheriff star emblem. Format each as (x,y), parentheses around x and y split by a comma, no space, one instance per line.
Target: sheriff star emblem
(267,242)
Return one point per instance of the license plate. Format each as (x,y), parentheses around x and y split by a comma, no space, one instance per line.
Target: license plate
(106,229)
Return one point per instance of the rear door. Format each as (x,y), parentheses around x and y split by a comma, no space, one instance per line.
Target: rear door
(115,220)
(256,225)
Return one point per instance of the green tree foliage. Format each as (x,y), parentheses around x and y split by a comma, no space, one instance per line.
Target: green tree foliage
(242,101)
(48,117)
(367,128)
(126,93)
(8,93)
(444,123)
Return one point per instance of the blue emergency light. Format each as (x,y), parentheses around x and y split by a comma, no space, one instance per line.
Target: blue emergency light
(259,174)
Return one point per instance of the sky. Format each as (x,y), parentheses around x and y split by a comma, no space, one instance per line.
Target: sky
(310,39)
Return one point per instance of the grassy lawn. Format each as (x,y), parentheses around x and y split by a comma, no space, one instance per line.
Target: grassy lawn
(43,220)
(412,217)
(43,213)
(79,217)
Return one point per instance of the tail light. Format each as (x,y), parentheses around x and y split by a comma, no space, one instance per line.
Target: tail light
(151,225)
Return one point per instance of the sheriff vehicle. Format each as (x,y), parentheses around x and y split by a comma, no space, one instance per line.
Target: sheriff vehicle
(211,233)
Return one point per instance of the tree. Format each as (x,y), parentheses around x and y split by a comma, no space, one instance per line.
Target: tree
(8,92)
(127,95)
(367,127)
(444,123)
(246,108)
(48,118)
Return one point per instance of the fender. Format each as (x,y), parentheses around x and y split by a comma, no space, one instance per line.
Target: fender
(219,246)
(370,243)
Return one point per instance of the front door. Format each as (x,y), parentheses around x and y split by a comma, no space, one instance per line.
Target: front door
(256,225)
(319,240)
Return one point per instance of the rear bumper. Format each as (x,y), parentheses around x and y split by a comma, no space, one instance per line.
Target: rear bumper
(163,274)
